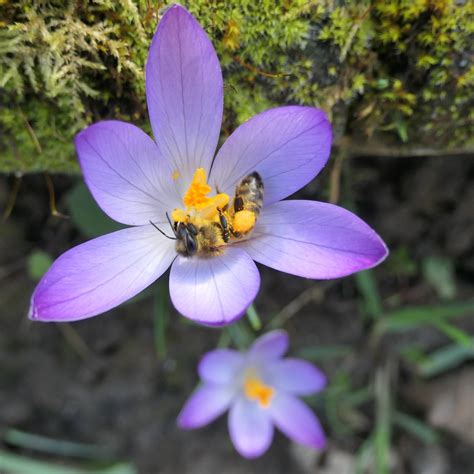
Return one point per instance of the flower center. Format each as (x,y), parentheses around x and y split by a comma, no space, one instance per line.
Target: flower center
(256,390)
(199,206)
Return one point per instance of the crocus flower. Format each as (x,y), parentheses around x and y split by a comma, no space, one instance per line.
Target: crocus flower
(138,182)
(260,389)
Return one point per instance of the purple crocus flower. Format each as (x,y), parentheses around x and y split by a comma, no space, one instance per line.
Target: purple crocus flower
(138,182)
(260,390)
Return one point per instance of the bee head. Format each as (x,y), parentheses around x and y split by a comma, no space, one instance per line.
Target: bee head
(186,243)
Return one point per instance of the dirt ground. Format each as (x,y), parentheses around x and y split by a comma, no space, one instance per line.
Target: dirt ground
(101,382)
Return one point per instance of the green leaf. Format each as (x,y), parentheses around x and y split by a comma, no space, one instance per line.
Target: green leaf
(454,333)
(439,273)
(38,264)
(87,215)
(401,127)
(15,464)
(445,359)
(367,287)
(364,456)
(413,317)
(161,317)
(383,420)
(58,447)
(415,427)
(383,83)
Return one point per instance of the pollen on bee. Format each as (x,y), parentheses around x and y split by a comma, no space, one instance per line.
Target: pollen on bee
(243,221)
(178,215)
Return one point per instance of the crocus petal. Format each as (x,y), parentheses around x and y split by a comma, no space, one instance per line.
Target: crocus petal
(250,428)
(216,290)
(205,405)
(220,366)
(127,176)
(295,419)
(271,345)
(184,91)
(314,240)
(288,146)
(100,274)
(295,376)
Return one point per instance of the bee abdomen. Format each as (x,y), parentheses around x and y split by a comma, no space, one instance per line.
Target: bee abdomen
(252,183)
(249,194)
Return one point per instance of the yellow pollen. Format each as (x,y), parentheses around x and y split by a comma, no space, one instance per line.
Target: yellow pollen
(256,390)
(178,215)
(243,221)
(196,195)
(199,206)
(175,175)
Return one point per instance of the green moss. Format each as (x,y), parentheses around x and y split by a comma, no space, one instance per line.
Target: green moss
(400,67)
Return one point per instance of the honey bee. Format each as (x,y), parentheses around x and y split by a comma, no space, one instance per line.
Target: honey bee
(239,220)
(248,201)
(204,241)
(235,222)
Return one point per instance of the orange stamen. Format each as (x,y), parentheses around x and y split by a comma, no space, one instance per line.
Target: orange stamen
(196,195)
(199,206)
(256,390)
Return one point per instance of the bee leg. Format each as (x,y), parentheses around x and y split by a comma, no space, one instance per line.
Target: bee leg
(235,234)
(224,226)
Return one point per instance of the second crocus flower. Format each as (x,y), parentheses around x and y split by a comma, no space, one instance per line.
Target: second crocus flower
(260,389)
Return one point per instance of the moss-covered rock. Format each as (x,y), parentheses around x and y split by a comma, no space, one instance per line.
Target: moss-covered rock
(402,67)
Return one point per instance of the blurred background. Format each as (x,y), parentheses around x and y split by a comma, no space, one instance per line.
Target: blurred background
(397,343)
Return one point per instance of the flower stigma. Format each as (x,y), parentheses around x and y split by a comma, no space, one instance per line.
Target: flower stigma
(199,207)
(257,391)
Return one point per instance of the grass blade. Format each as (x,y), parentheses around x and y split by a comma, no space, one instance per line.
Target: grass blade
(364,456)
(454,333)
(57,447)
(160,318)
(445,359)
(383,420)
(410,318)
(14,464)
(367,287)
(415,427)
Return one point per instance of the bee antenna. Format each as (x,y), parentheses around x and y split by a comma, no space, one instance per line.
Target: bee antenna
(169,220)
(161,232)
(171,225)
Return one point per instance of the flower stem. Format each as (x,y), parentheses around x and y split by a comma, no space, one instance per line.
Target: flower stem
(254,318)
